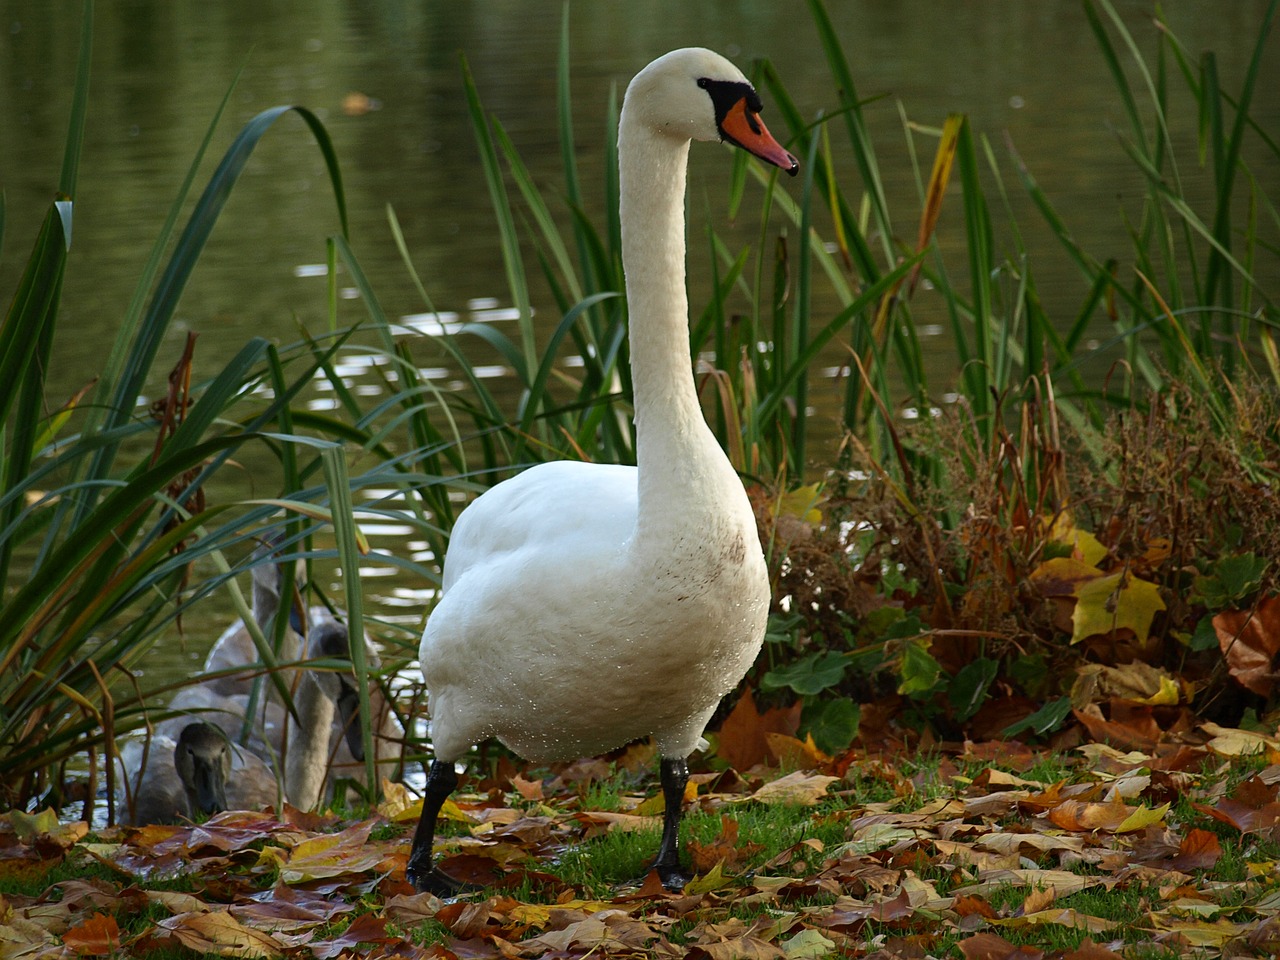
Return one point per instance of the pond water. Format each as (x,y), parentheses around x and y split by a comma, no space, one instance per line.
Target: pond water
(1028,70)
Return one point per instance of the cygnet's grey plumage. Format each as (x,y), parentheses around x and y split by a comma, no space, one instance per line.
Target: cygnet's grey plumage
(199,774)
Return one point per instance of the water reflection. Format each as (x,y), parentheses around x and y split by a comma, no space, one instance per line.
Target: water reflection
(162,66)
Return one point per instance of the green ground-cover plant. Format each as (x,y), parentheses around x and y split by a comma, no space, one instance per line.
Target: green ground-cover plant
(918,581)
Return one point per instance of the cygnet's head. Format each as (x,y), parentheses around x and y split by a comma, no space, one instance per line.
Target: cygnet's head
(202,758)
(696,94)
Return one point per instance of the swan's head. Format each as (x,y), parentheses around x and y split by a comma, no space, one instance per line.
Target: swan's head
(697,94)
(202,758)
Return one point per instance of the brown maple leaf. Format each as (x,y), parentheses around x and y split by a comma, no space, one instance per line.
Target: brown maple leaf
(744,740)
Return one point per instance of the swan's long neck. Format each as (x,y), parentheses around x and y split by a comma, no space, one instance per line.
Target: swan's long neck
(672,440)
(306,764)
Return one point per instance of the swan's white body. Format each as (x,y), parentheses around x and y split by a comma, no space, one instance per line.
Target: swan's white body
(586,605)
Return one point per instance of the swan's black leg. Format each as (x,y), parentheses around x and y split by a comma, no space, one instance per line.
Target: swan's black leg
(674,775)
(442,780)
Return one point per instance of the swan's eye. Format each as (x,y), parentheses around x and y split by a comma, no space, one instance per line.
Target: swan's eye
(704,82)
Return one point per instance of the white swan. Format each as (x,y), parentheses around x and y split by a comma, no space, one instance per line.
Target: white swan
(584,606)
(201,772)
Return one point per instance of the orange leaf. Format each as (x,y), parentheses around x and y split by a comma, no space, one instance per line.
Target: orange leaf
(1088,950)
(965,905)
(990,946)
(1038,900)
(1115,816)
(744,735)
(98,936)
(722,850)
(792,752)
(1199,850)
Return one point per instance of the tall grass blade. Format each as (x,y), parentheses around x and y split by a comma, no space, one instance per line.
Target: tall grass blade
(344,528)
(509,242)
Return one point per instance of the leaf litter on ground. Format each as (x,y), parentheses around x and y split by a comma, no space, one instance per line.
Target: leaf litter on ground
(992,860)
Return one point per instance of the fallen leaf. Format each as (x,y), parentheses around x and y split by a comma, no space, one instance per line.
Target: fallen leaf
(396,800)
(713,879)
(991,946)
(366,928)
(412,909)
(220,933)
(1135,681)
(1088,950)
(528,789)
(799,787)
(1199,850)
(1063,576)
(1250,640)
(98,936)
(1064,881)
(1084,545)
(790,751)
(1058,916)
(807,944)
(1038,900)
(28,826)
(1200,933)
(724,849)
(1228,742)
(1115,602)
(655,805)
(744,740)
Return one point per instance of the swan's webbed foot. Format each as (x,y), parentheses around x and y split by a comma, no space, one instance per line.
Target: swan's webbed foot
(673,876)
(426,878)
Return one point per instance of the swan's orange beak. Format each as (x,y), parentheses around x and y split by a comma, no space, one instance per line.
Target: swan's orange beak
(743,126)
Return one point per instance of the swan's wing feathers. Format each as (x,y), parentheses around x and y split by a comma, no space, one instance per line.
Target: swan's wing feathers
(549,510)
